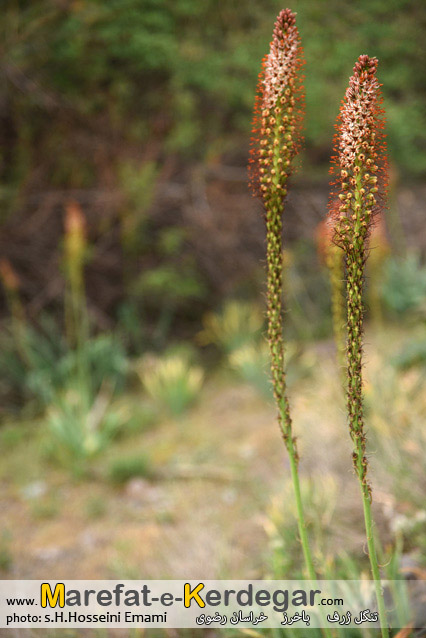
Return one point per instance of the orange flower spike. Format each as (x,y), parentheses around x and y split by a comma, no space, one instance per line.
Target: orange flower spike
(360,167)
(276,140)
(360,172)
(278,112)
(8,275)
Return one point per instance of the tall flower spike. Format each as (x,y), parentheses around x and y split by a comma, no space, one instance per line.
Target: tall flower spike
(360,186)
(360,170)
(276,140)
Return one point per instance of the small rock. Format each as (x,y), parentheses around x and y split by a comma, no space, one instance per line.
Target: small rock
(34,490)
(141,490)
(229,496)
(87,539)
(48,554)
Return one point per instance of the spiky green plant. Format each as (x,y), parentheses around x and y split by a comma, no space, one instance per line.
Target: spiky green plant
(238,324)
(360,171)
(172,381)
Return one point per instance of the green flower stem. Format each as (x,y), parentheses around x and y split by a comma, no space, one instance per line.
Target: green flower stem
(360,463)
(374,565)
(274,238)
(276,345)
(301,523)
(300,513)
(355,279)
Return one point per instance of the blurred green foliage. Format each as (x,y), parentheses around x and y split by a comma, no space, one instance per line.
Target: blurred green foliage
(404,286)
(44,364)
(251,363)
(122,95)
(411,355)
(165,288)
(179,75)
(124,469)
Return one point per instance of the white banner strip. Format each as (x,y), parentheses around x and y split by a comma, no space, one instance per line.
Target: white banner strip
(217,603)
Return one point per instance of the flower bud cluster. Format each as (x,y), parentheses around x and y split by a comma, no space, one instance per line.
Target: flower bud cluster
(359,166)
(278,112)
